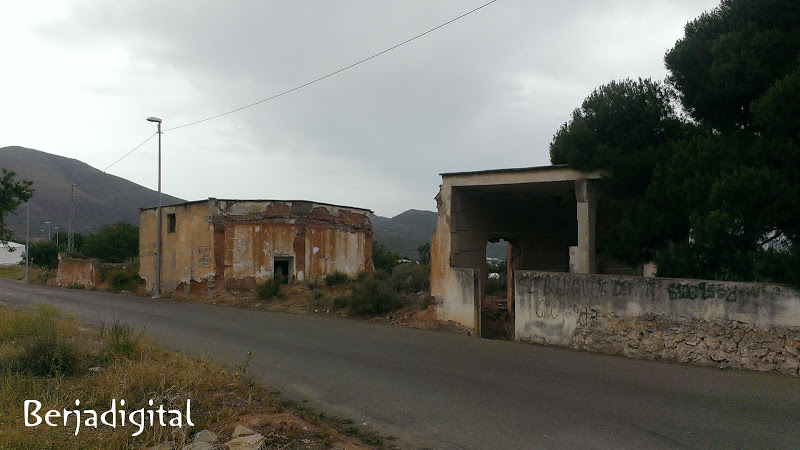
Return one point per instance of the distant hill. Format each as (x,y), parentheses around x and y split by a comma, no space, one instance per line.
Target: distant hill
(100,198)
(406,231)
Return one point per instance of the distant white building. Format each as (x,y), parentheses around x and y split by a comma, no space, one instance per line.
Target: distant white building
(11,253)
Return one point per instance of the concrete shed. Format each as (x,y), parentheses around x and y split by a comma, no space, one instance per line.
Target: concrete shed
(547,215)
(236,244)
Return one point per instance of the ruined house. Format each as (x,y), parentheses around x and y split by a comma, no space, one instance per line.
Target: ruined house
(562,291)
(546,214)
(236,244)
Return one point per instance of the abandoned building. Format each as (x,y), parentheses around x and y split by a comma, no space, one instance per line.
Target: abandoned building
(546,214)
(562,291)
(236,244)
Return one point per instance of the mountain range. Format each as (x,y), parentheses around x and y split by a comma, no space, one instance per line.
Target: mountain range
(101,199)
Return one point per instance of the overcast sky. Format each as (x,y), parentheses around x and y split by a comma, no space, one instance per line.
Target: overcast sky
(79,77)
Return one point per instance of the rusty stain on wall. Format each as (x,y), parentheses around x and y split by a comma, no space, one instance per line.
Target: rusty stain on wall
(237,244)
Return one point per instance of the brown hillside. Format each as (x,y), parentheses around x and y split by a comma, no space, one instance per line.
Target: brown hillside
(100,198)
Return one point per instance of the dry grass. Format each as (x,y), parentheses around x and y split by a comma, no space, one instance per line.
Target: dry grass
(116,362)
(17,272)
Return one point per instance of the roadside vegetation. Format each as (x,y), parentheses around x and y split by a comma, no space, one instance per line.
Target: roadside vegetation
(48,357)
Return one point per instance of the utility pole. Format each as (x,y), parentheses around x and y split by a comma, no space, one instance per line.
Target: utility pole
(27,239)
(157,284)
(70,234)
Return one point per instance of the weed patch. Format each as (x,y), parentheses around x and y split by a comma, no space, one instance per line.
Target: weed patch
(272,287)
(336,278)
(124,279)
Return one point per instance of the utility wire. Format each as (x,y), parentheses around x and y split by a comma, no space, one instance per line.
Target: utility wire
(115,162)
(332,73)
(295,88)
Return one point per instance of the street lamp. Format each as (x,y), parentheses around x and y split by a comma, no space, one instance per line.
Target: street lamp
(157,284)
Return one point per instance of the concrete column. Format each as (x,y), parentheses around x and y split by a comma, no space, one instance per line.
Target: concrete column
(586,261)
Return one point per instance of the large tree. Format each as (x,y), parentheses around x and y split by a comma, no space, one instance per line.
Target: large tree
(12,194)
(719,201)
(731,56)
(625,128)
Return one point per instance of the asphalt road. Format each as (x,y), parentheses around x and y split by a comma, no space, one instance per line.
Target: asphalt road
(450,391)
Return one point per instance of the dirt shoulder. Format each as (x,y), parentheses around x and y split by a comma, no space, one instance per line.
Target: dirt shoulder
(417,310)
(52,359)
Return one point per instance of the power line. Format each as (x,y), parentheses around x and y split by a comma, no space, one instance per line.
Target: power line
(333,73)
(274,97)
(117,161)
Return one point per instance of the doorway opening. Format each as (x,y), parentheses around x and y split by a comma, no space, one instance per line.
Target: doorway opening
(497,317)
(283,264)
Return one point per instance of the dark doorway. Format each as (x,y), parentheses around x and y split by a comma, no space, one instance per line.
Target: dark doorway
(496,317)
(283,265)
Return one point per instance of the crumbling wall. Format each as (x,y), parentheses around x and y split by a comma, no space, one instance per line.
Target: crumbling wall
(187,253)
(74,271)
(318,238)
(725,324)
(234,243)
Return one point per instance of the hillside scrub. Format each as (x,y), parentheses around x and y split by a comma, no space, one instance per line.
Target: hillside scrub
(116,362)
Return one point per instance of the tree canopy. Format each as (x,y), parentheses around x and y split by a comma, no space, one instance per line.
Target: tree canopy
(112,243)
(12,194)
(714,194)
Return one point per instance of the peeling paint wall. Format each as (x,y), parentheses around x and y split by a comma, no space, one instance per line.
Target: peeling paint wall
(237,243)
(186,253)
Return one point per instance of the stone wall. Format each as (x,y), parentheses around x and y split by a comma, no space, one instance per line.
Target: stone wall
(74,271)
(724,324)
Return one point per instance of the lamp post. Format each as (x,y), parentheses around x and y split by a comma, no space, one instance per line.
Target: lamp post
(48,230)
(157,284)
(56,236)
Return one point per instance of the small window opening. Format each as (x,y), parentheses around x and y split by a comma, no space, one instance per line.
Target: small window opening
(170,223)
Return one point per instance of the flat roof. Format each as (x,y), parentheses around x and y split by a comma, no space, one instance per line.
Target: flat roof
(507,170)
(212,199)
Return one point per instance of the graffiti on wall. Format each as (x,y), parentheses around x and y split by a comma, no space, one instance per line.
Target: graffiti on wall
(548,285)
(204,256)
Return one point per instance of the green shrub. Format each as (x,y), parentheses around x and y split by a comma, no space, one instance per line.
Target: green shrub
(121,340)
(362,275)
(336,278)
(43,352)
(43,254)
(76,286)
(382,258)
(125,279)
(45,355)
(411,278)
(272,287)
(372,297)
(340,302)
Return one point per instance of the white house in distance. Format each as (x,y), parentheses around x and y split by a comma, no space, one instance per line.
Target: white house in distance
(11,253)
